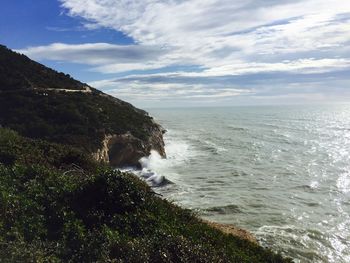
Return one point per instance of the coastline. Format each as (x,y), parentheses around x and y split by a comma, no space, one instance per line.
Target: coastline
(61,204)
(155,180)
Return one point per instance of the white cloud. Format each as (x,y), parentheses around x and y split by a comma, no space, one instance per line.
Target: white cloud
(207,26)
(209,33)
(302,66)
(106,56)
(138,90)
(221,37)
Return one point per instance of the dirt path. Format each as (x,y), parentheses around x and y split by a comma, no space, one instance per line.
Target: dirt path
(86,89)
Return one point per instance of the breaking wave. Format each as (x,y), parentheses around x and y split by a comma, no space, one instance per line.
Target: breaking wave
(154,167)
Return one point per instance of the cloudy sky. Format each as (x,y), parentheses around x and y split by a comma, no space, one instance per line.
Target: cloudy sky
(191,52)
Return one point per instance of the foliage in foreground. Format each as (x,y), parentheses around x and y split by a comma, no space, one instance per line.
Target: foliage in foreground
(96,214)
(15,149)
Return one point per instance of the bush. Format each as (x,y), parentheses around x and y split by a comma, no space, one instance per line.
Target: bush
(17,149)
(108,216)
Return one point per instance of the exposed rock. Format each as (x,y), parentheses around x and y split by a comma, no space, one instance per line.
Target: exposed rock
(155,141)
(126,149)
(233,230)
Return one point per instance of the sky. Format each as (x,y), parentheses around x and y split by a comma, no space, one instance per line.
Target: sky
(179,53)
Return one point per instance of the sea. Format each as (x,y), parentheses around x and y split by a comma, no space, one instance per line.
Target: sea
(281,172)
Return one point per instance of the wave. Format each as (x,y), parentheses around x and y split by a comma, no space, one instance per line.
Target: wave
(311,187)
(228,209)
(235,128)
(214,148)
(293,240)
(177,150)
(148,171)
(206,145)
(153,167)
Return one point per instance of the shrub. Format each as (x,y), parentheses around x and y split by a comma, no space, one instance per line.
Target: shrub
(108,216)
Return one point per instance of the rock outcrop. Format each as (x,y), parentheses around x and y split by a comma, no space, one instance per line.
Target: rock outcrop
(126,149)
(233,230)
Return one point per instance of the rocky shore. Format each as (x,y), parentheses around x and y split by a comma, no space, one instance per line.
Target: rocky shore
(233,230)
(126,149)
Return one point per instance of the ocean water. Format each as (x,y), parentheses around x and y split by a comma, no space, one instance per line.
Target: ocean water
(281,172)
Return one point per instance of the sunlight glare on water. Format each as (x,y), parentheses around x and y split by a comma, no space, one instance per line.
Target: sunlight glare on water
(281,172)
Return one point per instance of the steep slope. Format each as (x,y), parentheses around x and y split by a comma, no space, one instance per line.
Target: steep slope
(19,72)
(58,205)
(39,102)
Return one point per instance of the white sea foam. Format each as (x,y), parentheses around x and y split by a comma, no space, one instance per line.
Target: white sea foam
(148,171)
(177,150)
(154,167)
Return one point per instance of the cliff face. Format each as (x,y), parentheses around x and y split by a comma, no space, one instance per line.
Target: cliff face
(126,149)
(39,102)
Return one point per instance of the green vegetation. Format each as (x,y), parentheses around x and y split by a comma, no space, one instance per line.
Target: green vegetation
(84,212)
(77,119)
(30,105)
(15,149)
(19,72)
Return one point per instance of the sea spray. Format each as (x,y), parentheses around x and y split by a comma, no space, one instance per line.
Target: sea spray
(148,169)
(158,171)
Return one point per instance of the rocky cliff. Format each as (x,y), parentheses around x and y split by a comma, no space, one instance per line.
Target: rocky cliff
(125,149)
(39,102)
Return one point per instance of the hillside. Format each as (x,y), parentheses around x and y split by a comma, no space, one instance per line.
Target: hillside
(62,201)
(19,72)
(39,102)
(58,205)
